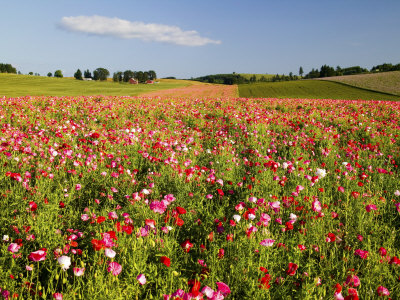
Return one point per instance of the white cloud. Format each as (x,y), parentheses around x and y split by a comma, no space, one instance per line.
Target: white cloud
(115,27)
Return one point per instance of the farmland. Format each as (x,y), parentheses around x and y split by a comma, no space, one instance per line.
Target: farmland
(387,82)
(312,89)
(22,85)
(236,198)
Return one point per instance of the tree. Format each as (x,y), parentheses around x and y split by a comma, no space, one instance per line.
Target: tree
(49,74)
(30,73)
(128,74)
(301,72)
(152,75)
(100,74)
(78,75)
(117,76)
(87,74)
(58,74)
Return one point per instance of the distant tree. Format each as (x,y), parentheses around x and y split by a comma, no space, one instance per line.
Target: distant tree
(291,76)
(100,74)
(49,74)
(87,74)
(145,76)
(128,74)
(58,74)
(139,76)
(339,71)
(7,68)
(152,75)
(301,72)
(327,71)
(253,78)
(117,76)
(30,73)
(19,73)
(78,74)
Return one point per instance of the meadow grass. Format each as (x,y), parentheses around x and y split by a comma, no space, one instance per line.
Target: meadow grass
(311,89)
(386,82)
(23,85)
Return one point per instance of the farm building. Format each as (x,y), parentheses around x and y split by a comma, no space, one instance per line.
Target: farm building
(133,81)
(149,81)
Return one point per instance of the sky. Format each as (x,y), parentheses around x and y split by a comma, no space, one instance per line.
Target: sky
(188,38)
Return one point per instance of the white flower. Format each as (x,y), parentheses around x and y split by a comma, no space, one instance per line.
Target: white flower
(65,262)
(237,218)
(6,238)
(321,173)
(109,253)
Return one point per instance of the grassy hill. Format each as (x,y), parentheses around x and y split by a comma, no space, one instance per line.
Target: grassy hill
(22,85)
(387,82)
(312,89)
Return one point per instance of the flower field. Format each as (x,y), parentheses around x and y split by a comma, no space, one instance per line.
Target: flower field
(183,198)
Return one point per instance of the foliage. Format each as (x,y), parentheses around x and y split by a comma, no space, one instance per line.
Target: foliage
(87,74)
(78,75)
(7,68)
(100,74)
(49,74)
(58,74)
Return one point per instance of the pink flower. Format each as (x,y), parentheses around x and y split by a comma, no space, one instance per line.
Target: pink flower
(352,281)
(79,271)
(13,248)
(158,207)
(341,189)
(370,207)
(223,288)
(114,268)
(267,242)
(142,279)
(38,255)
(292,269)
(316,206)
(382,291)
(361,253)
(78,187)
(58,296)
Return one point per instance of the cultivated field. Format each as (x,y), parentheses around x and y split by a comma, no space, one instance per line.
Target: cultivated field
(311,89)
(22,85)
(190,198)
(387,82)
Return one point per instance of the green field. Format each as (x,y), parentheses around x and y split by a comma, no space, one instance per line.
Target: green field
(258,76)
(387,82)
(311,89)
(23,85)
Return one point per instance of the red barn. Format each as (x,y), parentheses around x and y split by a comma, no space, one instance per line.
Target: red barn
(133,81)
(149,81)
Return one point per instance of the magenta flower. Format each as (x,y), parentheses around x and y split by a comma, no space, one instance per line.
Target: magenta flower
(158,207)
(267,242)
(382,291)
(38,255)
(13,248)
(142,279)
(79,271)
(114,268)
(370,207)
(316,206)
(58,296)
(223,288)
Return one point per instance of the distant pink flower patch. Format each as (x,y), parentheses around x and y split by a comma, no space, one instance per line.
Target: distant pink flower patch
(267,242)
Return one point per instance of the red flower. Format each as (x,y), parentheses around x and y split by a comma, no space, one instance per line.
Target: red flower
(292,269)
(220,192)
(32,206)
(165,260)
(38,255)
(186,245)
(180,210)
(100,219)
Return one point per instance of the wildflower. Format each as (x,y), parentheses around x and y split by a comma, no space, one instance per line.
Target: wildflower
(65,262)
(114,268)
(109,253)
(316,206)
(267,242)
(165,260)
(78,271)
(38,255)
(13,247)
(186,245)
(382,291)
(236,218)
(370,207)
(291,271)
(58,296)
(142,279)
(352,281)
(321,173)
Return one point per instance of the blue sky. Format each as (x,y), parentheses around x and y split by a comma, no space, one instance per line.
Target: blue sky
(185,38)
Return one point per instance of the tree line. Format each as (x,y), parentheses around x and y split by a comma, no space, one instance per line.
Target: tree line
(240,79)
(328,71)
(7,68)
(140,76)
